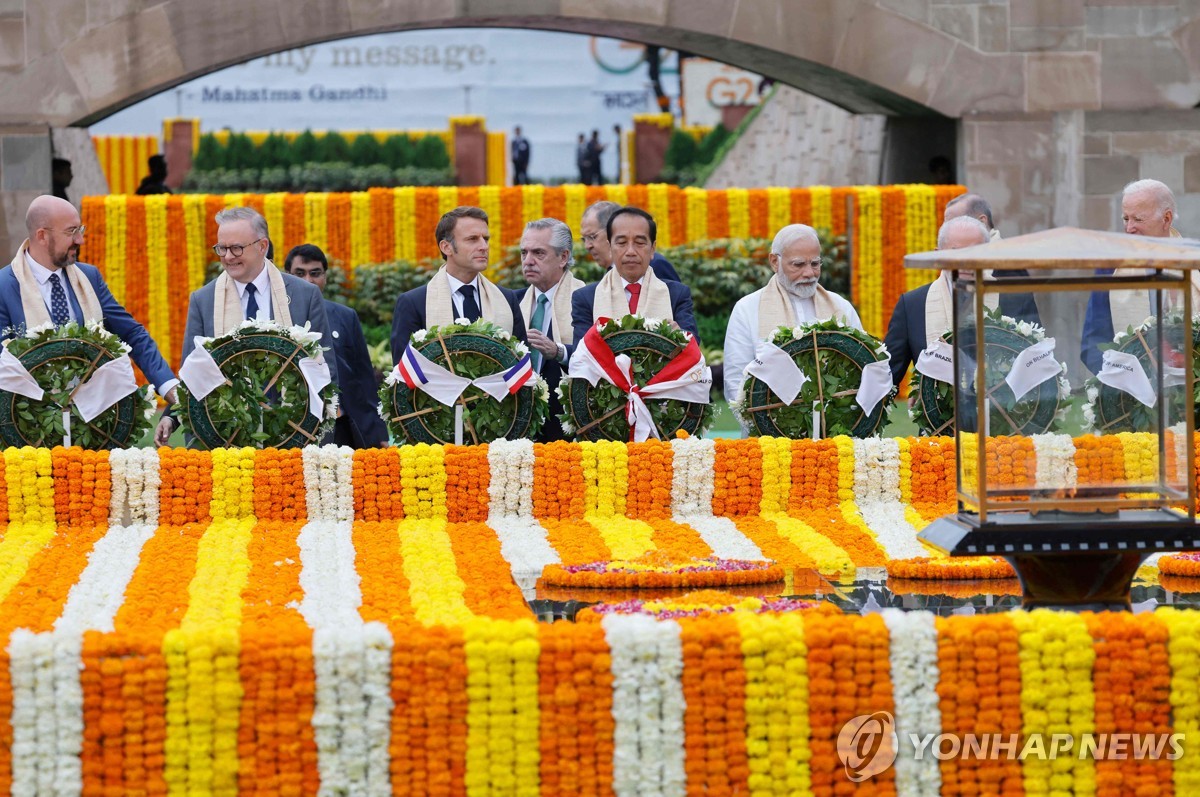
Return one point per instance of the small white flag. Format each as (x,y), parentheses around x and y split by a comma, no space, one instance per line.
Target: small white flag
(776,367)
(200,372)
(1124,372)
(937,361)
(1033,366)
(316,374)
(876,383)
(15,379)
(107,385)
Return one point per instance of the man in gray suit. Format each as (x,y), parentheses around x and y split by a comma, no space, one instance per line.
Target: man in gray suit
(251,287)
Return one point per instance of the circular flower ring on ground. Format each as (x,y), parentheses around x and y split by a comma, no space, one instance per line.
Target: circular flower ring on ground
(598,413)
(1111,411)
(469,350)
(1004,338)
(654,571)
(832,356)
(264,402)
(956,568)
(1181,564)
(60,359)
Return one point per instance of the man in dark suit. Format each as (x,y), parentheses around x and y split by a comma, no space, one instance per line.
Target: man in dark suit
(547,254)
(358,424)
(458,289)
(630,287)
(592,228)
(250,287)
(45,279)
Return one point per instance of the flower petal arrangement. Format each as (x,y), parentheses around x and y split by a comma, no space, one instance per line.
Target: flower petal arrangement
(267,398)
(832,356)
(61,360)
(603,411)
(653,570)
(463,355)
(1038,411)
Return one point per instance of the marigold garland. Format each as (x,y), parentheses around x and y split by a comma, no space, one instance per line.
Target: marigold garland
(656,571)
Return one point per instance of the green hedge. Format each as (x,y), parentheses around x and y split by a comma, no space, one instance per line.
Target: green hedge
(397,151)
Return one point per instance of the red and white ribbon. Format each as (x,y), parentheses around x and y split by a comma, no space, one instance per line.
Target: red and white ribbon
(686,378)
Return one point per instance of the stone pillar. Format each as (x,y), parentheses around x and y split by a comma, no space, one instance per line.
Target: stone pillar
(178,144)
(25,154)
(650,142)
(470,153)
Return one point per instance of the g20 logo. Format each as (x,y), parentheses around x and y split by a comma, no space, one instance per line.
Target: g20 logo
(866,745)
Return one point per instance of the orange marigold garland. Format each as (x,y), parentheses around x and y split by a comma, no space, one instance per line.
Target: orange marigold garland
(279,490)
(558,491)
(490,590)
(385,588)
(773,545)
(950,568)
(737,478)
(714,690)
(650,469)
(655,570)
(82,486)
(376,476)
(467,480)
(576,541)
(1181,564)
(185,489)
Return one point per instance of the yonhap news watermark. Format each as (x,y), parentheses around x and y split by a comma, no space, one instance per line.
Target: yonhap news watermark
(868,745)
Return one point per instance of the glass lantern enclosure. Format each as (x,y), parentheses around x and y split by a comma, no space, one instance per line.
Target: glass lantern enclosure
(1074,439)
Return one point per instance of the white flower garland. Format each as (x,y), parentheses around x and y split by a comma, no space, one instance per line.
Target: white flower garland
(510,490)
(722,535)
(914,668)
(525,545)
(135,477)
(329,483)
(877,496)
(351,660)
(93,601)
(648,706)
(1056,469)
(694,461)
(47,712)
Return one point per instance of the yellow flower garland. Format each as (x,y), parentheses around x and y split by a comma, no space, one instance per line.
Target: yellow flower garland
(822,207)
(404,214)
(159,272)
(1183,653)
(423,481)
(28,474)
(697,213)
(776,474)
(273,213)
(360,232)
(447,199)
(738,200)
(575,200)
(233,483)
(533,202)
(316,220)
(779,208)
(194,212)
(115,227)
(658,202)
(489,201)
(436,589)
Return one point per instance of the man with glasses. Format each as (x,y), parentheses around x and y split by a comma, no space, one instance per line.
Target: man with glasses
(595,239)
(358,424)
(250,287)
(791,297)
(45,284)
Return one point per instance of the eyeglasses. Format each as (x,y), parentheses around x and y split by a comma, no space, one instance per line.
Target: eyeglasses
(587,239)
(233,249)
(71,232)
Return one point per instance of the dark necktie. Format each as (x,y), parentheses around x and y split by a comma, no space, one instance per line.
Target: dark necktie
(535,322)
(251,302)
(470,306)
(58,302)
(635,290)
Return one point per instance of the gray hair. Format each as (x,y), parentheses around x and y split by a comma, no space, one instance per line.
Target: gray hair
(792,233)
(1163,196)
(967,222)
(560,236)
(245,214)
(603,211)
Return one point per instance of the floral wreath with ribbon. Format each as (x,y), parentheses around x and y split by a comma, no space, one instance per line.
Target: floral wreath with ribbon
(816,380)
(71,385)
(635,378)
(1027,388)
(464,383)
(262,385)
(1122,397)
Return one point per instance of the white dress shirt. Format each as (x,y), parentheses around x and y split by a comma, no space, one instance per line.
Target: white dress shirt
(42,275)
(457,297)
(262,286)
(741,336)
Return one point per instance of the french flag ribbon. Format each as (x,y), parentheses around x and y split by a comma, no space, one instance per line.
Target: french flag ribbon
(421,373)
(686,378)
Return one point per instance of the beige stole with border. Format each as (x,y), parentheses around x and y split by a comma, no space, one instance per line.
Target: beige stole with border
(611,302)
(34,305)
(439,304)
(228,314)
(561,331)
(775,307)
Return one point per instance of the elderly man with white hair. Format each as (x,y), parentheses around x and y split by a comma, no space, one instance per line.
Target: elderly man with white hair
(791,297)
(1147,208)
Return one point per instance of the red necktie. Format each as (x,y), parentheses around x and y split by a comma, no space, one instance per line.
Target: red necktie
(634,289)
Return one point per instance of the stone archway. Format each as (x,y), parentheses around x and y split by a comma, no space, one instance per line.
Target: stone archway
(1060,100)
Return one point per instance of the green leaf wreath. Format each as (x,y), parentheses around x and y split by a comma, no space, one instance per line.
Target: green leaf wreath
(1109,410)
(264,402)
(470,350)
(832,355)
(60,359)
(1036,412)
(598,413)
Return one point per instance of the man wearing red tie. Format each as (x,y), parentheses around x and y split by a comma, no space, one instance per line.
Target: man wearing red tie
(630,287)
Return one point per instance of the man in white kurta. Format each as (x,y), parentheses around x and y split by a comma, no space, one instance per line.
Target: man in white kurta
(790,298)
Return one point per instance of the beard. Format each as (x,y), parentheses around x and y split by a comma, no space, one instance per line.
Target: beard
(64,258)
(802,290)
